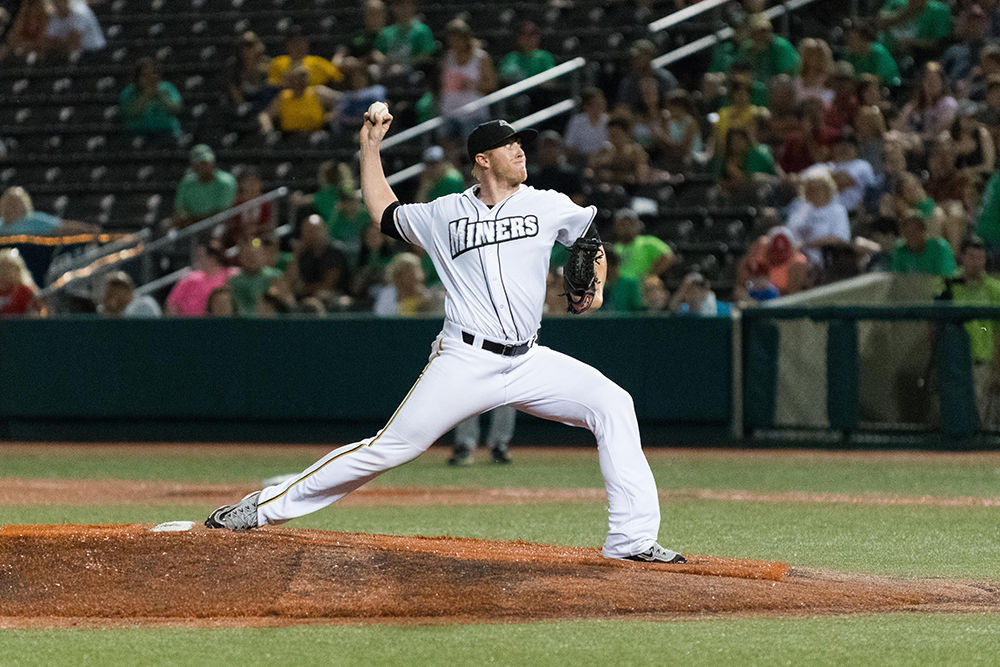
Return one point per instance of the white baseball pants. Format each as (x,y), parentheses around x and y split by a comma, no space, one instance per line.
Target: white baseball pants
(462,380)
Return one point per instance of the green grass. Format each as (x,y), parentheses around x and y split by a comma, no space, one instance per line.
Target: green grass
(721,470)
(829,474)
(889,639)
(899,540)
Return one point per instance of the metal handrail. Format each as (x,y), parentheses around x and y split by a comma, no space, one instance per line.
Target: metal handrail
(502,94)
(93,254)
(722,34)
(164,281)
(172,238)
(537,117)
(683,14)
(171,278)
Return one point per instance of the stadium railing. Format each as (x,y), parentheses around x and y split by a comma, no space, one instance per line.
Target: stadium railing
(141,252)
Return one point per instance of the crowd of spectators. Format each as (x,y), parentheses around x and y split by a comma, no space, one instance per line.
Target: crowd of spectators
(870,147)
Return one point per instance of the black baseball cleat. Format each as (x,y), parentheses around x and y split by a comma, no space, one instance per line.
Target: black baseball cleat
(657,554)
(461,456)
(500,455)
(241,516)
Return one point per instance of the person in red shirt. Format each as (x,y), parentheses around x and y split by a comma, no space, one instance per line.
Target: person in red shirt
(797,149)
(840,113)
(255,222)
(774,263)
(17,289)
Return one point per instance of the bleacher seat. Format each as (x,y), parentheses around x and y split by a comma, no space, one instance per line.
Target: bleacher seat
(68,113)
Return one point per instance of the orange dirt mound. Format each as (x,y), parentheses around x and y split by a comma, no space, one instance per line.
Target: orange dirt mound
(292,576)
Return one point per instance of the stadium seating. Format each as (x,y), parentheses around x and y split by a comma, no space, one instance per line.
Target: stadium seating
(70,152)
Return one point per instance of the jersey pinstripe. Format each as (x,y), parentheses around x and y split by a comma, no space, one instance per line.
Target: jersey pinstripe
(493,261)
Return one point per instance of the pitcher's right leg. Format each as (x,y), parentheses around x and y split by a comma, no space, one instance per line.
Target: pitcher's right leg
(452,387)
(554,386)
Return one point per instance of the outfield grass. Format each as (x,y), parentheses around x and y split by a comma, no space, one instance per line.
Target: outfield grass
(885,639)
(899,540)
(674,469)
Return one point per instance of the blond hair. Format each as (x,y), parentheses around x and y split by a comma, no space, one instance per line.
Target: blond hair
(477,171)
(17,192)
(400,262)
(12,258)
(815,53)
(818,175)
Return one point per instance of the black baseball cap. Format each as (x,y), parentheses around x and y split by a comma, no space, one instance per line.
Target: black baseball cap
(494,134)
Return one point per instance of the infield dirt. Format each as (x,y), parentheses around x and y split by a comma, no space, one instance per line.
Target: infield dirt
(125,574)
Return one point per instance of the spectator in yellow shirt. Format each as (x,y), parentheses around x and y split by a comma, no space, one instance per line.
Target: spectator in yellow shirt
(300,107)
(321,71)
(977,288)
(740,113)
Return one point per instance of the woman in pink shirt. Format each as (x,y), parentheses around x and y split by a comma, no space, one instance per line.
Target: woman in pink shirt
(190,295)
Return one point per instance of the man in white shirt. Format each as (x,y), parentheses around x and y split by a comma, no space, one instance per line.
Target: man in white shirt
(852,174)
(119,299)
(73,27)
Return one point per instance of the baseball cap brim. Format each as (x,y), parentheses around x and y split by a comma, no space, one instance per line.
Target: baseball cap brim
(527,135)
(495,134)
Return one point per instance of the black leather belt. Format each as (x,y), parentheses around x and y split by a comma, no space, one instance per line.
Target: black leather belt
(499,348)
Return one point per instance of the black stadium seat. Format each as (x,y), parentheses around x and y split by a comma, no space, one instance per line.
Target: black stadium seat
(65,115)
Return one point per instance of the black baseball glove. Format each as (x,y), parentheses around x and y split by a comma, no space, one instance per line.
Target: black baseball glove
(579,279)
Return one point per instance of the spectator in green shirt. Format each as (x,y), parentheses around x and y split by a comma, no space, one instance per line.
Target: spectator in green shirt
(407,42)
(988,221)
(348,224)
(149,106)
(622,294)
(439,177)
(914,27)
(528,59)
(335,180)
(767,53)
(641,254)
(867,55)
(746,169)
(976,288)
(337,202)
(916,252)
(204,190)
(255,277)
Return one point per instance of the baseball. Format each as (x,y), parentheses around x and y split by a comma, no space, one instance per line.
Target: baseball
(376,110)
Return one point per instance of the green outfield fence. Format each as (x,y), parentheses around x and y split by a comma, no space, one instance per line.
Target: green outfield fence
(834,375)
(321,379)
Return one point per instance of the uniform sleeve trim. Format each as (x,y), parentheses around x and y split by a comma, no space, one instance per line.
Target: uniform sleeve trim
(388,223)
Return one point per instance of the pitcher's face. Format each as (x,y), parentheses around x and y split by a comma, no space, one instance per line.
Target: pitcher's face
(508,162)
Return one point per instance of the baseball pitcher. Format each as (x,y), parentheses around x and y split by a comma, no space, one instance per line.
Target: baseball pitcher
(490,246)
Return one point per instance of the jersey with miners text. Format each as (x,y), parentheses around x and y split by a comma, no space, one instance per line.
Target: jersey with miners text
(493,261)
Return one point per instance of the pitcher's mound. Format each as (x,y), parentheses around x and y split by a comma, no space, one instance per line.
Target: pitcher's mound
(291,576)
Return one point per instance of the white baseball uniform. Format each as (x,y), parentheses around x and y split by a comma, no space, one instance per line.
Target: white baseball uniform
(493,262)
